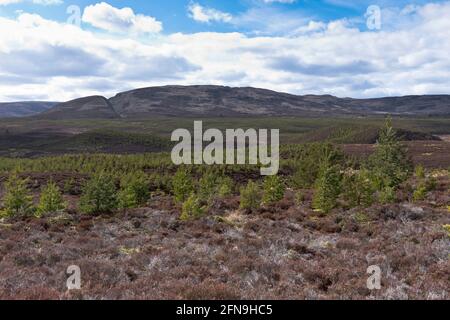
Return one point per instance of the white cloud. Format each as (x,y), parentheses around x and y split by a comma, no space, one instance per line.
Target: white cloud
(57,61)
(270,21)
(104,16)
(202,14)
(311,27)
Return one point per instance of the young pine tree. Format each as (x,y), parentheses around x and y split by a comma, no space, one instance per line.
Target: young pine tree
(51,200)
(17,199)
(99,194)
(208,186)
(134,190)
(250,196)
(419,172)
(307,160)
(192,208)
(389,163)
(358,189)
(424,185)
(386,195)
(327,187)
(182,185)
(225,187)
(273,190)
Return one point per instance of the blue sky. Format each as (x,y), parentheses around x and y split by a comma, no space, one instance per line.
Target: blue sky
(174,14)
(346,48)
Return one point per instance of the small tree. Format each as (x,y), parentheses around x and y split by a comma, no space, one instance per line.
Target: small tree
(420,193)
(51,200)
(389,163)
(192,208)
(419,172)
(182,185)
(17,199)
(327,187)
(424,186)
(273,189)
(358,189)
(307,159)
(161,181)
(225,187)
(250,196)
(134,190)
(99,194)
(208,186)
(386,195)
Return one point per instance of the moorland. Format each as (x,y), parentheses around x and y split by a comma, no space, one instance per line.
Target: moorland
(102,193)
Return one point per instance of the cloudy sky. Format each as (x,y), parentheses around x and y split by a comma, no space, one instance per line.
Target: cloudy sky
(60,49)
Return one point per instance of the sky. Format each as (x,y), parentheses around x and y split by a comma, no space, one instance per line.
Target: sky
(59,50)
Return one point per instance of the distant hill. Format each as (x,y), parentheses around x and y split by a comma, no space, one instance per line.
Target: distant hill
(416,105)
(219,101)
(226,101)
(94,107)
(24,108)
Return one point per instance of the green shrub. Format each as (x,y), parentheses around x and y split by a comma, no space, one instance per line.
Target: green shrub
(358,189)
(208,186)
(424,186)
(419,172)
(51,200)
(192,208)
(273,190)
(17,199)
(182,185)
(99,194)
(69,186)
(389,163)
(126,198)
(386,195)
(327,187)
(134,190)
(250,196)
(161,182)
(306,159)
(225,187)
(420,192)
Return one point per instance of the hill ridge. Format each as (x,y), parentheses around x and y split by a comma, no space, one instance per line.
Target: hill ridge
(24,108)
(92,107)
(224,101)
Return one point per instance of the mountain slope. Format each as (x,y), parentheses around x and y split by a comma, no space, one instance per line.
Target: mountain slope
(419,105)
(226,101)
(93,107)
(218,101)
(211,101)
(24,108)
